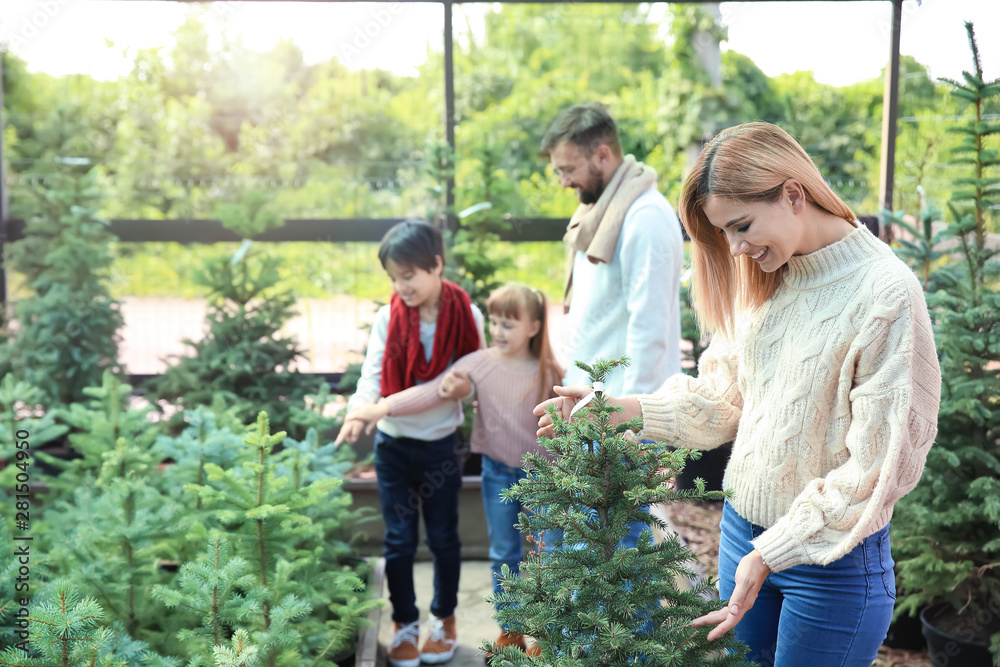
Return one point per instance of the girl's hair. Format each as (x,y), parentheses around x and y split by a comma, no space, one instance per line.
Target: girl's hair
(746,163)
(516,302)
(412,243)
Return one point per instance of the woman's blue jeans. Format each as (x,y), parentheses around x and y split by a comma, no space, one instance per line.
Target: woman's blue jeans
(414,477)
(832,615)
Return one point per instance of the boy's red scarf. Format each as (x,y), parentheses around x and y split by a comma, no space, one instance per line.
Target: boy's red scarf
(455,336)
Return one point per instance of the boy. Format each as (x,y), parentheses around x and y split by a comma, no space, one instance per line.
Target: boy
(429,323)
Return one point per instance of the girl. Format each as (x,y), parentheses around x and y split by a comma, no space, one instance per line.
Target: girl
(508,379)
(823,367)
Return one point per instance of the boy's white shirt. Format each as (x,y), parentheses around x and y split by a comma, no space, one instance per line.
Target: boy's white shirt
(434,424)
(632,304)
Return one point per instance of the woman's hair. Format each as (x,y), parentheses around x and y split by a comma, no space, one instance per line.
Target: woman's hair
(413,244)
(746,163)
(517,302)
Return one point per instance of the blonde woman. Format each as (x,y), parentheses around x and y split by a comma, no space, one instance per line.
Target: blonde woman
(822,367)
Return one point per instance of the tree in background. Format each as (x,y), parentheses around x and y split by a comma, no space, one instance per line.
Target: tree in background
(946,530)
(67,329)
(243,356)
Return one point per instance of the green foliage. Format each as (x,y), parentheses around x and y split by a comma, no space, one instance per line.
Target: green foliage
(67,330)
(192,125)
(472,247)
(66,632)
(111,537)
(923,253)
(209,589)
(208,438)
(16,585)
(947,528)
(292,570)
(243,357)
(242,653)
(18,402)
(587,601)
(97,423)
(439,166)
(252,215)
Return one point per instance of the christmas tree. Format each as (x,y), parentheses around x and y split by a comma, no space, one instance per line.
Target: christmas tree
(585,599)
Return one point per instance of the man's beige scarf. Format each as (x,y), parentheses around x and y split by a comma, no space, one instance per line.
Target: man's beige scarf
(594,228)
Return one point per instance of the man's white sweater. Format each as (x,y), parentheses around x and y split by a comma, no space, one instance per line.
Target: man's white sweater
(831,390)
(632,304)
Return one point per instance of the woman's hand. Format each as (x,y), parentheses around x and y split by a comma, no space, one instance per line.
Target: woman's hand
(455,386)
(750,576)
(568,397)
(365,418)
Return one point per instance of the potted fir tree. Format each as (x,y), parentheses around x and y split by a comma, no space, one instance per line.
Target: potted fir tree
(588,601)
(947,531)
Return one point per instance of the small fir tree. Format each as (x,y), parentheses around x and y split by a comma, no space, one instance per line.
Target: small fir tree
(265,515)
(208,590)
(472,245)
(201,443)
(110,537)
(96,425)
(946,532)
(588,601)
(243,356)
(67,332)
(923,252)
(66,631)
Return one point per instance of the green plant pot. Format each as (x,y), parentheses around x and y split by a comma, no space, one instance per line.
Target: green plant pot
(952,639)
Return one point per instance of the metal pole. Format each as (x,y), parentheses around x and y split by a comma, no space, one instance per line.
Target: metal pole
(890,111)
(3,212)
(449,107)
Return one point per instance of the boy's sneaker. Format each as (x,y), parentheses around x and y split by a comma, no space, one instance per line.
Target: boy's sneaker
(403,651)
(442,641)
(515,639)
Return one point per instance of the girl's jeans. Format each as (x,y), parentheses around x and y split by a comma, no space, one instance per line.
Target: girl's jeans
(501,518)
(505,539)
(832,615)
(414,477)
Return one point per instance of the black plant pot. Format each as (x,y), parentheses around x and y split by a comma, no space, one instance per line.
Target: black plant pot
(906,633)
(710,467)
(956,647)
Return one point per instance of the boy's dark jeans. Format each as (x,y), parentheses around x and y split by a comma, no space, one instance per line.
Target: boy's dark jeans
(417,476)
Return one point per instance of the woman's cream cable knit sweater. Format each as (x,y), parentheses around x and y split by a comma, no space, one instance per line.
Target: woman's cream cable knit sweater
(831,391)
